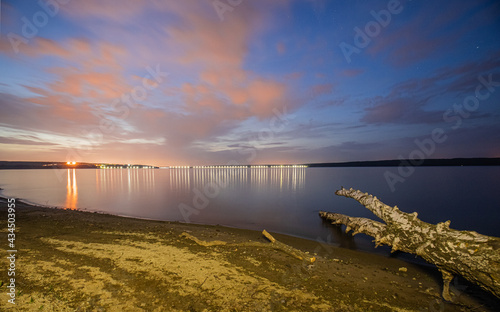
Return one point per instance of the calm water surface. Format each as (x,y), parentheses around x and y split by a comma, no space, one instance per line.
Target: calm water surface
(279,200)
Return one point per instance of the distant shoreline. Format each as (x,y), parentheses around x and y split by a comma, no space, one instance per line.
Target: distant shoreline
(372,163)
(63,165)
(415,163)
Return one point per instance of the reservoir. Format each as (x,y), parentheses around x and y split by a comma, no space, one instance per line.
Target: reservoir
(282,200)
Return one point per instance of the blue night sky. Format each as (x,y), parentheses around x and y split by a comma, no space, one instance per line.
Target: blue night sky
(229,81)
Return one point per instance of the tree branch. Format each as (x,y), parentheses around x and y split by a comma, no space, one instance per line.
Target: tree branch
(474,256)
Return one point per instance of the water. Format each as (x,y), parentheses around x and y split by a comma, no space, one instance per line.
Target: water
(283,200)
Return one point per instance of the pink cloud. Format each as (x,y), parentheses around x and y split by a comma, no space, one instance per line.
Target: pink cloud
(209,42)
(61,107)
(321,89)
(219,49)
(47,47)
(220,90)
(46,113)
(94,72)
(88,84)
(281,48)
(237,95)
(265,96)
(105,10)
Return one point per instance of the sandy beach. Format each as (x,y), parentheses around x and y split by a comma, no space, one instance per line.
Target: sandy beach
(80,261)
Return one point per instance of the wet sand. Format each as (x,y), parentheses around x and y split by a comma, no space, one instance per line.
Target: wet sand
(81,261)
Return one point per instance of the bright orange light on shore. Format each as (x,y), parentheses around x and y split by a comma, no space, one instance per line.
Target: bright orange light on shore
(71,163)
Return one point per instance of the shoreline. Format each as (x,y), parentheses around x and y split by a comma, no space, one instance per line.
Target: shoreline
(4,197)
(428,162)
(84,260)
(378,251)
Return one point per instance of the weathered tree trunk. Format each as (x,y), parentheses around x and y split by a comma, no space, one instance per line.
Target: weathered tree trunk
(474,256)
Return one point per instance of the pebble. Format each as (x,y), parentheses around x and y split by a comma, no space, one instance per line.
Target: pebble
(403,269)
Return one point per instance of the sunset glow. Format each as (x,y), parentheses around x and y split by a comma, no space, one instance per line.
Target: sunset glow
(170,83)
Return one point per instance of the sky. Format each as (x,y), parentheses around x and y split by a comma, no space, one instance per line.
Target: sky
(204,82)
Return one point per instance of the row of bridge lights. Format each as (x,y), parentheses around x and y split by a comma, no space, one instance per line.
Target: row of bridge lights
(257,166)
(187,167)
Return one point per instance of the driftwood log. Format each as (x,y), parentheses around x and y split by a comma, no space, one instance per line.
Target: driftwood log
(474,256)
(273,245)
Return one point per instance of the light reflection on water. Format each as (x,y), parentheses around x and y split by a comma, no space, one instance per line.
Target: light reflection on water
(285,200)
(286,179)
(121,180)
(71,190)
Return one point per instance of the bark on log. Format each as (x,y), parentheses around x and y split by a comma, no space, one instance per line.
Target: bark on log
(474,256)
